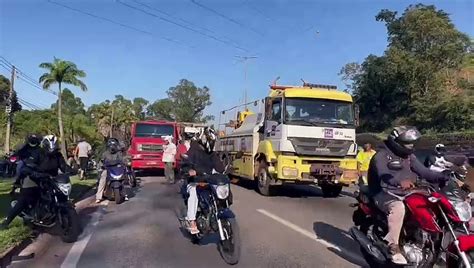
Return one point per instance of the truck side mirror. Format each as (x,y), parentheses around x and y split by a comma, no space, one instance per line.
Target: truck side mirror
(268,108)
(356,115)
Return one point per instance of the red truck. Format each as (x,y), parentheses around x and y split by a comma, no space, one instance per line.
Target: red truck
(146,147)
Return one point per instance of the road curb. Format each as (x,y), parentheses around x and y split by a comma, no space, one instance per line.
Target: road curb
(8,255)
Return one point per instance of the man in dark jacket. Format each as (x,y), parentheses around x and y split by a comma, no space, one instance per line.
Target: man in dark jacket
(201,160)
(112,156)
(395,169)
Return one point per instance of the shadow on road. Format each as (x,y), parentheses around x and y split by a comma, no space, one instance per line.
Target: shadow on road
(342,239)
(292,191)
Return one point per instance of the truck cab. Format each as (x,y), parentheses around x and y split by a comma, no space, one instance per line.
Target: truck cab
(146,147)
(304,135)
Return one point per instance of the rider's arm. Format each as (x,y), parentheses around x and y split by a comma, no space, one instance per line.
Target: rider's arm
(217,163)
(63,166)
(425,172)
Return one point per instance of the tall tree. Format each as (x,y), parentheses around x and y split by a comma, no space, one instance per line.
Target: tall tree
(61,72)
(417,79)
(185,103)
(139,107)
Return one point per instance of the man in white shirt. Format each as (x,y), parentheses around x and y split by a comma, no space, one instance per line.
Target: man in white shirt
(169,156)
(82,152)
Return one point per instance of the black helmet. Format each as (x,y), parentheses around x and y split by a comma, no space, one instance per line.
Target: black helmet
(113,145)
(207,138)
(50,143)
(403,138)
(33,140)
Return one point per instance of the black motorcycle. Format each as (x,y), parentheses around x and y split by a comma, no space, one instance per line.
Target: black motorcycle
(53,209)
(215,216)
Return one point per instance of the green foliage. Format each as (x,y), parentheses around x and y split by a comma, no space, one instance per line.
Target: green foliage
(62,72)
(185,103)
(418,79)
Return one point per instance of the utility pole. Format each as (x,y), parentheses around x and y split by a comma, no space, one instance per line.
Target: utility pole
(245,59)
(112,122)
(8,110)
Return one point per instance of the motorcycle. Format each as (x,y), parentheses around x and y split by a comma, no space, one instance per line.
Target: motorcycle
(53,208)
(8,165)
(436,222)
(115,177)
(215,216)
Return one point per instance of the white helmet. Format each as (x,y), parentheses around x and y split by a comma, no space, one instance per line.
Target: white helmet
(50,143)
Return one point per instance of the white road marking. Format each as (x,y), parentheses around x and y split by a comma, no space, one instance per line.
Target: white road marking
(78,248)
(311,235)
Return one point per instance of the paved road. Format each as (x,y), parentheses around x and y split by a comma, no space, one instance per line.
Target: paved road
(297,229)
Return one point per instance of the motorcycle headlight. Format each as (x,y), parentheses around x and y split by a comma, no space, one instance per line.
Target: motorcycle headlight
(463,209)
(65,188)
(117,177)
(222,191)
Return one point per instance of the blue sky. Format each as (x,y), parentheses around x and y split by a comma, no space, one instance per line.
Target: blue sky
(283,34)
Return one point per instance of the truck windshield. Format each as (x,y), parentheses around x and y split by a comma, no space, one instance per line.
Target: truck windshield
(152,130)
(304,111)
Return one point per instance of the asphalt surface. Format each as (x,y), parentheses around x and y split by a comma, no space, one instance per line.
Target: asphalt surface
(298,228)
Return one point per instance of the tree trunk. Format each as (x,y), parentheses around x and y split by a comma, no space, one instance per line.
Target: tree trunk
(60,122)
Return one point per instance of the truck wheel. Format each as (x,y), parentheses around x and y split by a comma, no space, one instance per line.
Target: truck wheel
(263,180)
(331,190)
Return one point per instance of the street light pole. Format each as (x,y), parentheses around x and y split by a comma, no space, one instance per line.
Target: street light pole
(244,59)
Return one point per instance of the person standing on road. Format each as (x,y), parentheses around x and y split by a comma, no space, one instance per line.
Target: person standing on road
(169,157)
(83,149)
(363,160)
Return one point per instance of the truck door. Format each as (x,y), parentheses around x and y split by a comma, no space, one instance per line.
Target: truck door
(274,120)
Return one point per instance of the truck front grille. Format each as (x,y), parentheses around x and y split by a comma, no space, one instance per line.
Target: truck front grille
(152,148)
(321,147)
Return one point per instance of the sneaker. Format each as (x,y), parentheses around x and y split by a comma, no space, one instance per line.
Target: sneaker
(98,201)
(396,255)
(192,228)
(126,198)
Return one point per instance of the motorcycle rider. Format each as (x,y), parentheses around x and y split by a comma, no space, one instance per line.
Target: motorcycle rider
(201,160)
(437,161)
(384,177)
(112,153)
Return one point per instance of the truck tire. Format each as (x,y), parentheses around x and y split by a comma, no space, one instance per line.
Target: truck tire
(263,180)
(331,190)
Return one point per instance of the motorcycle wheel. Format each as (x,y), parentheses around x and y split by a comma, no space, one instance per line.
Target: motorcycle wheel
(230,249)
(70,225)
(132,180)
(117,196)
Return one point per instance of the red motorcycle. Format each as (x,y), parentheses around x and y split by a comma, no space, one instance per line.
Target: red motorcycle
(435,229)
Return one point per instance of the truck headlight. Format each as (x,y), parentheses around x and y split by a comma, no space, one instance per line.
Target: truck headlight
(65,188)
(463,209)
(222,191)
(290,172)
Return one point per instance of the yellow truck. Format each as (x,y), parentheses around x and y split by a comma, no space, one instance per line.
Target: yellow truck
(303,135)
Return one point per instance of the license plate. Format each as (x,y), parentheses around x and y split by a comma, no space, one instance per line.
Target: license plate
(152,163)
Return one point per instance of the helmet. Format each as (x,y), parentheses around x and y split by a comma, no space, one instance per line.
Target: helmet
(113,145)
(440,149)
(33,140)
(207,138)
(402,139)
(50,143)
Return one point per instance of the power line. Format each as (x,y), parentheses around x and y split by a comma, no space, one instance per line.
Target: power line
(181,25)
(226,17)
(25,77)
(184,21)
(29,104)
(117,23)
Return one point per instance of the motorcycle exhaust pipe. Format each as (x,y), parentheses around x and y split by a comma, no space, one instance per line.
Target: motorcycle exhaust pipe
(366,245)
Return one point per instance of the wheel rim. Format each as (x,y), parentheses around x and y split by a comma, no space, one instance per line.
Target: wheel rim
(228,245)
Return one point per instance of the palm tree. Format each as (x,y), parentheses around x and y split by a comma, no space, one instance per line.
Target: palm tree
(61,72)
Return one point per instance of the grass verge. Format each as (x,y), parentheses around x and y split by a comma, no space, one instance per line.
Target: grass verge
(17,232)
